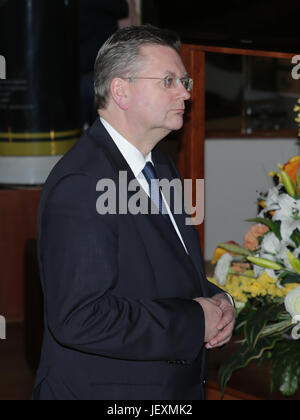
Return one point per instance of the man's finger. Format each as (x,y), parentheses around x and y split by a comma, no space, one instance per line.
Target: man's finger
(227,318)
(222,338)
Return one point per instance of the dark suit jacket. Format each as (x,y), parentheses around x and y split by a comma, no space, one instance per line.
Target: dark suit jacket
(120,322)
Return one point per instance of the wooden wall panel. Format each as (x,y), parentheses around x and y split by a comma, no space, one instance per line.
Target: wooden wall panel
(18,222)
(191,152)
(213,394)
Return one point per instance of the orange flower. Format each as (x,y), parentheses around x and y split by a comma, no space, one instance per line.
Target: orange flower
(251,238)
(292,167)
(241,267)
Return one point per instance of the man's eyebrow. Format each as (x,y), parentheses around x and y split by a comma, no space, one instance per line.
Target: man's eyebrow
(171,73)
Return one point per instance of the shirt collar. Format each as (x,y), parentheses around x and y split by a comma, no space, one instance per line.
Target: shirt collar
(132,155)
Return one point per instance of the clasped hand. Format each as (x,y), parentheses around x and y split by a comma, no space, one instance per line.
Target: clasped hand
(219,320)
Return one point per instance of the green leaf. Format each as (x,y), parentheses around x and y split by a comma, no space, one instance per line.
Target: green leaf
(290,380)
(294,261)
(243,318)
(288,277)
(258,320)
(288,183)
(296,237)
(285,367)
(242,358)
(235,249)
(273,226)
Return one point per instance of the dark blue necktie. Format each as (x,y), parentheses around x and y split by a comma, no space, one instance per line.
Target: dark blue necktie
(155,193)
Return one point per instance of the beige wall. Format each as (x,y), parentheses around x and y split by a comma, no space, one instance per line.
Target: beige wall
(234,171)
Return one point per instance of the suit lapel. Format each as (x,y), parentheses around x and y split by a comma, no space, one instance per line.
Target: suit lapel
(188,232)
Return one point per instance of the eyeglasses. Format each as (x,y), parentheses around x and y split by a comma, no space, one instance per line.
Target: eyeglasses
(169,82)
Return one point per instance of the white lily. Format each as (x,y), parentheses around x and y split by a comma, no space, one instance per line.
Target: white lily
(222,268)
(258,271)
(276,249)
(289,215)
(271,202)
(282,256)
(296,330)
(270,244)
(297,252)
(292,302)
(273,197)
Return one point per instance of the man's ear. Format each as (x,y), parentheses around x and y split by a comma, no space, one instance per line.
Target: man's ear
(120,92)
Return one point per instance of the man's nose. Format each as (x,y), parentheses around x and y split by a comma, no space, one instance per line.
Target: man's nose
(184,93)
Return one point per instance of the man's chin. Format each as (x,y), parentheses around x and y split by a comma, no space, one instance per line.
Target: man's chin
(177,126)
(176,123)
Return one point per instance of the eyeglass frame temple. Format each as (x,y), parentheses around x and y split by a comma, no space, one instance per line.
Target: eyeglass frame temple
(180,79)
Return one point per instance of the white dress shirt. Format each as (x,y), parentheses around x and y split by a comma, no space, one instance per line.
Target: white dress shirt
(137,162)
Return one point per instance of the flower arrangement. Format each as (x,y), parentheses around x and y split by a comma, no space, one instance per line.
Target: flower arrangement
(263,277)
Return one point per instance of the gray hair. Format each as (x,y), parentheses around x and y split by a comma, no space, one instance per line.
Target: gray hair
(120,56)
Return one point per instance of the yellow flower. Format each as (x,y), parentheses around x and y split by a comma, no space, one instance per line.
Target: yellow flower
(289,287)
(218,254)
(221,251)
(243,288)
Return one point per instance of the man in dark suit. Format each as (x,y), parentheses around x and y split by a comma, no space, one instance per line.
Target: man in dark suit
(129,313)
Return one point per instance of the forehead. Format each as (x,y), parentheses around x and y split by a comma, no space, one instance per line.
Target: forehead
(162,59)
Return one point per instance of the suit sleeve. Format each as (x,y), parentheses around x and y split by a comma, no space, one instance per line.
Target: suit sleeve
(79,263)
